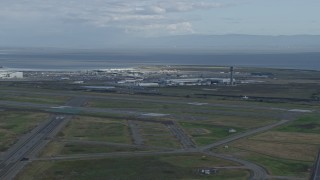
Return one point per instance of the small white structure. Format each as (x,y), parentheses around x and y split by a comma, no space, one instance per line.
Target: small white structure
(301,110)
(148,84)
(232,130)
(207,171)
(245,97)
(78,82)
(11,75)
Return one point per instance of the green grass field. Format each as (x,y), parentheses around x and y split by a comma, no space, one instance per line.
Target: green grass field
(68,148)
(97,129)
(282,167)
(204,134)
(16,123)
(58,100)
(156,167)
(157,134)
(306,124)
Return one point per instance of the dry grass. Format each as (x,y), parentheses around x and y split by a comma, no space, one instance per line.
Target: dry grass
(97,129)
(241,122)
(157,134)
(280,150)
(14,124)
(52,149)
(292,137)
(32,170)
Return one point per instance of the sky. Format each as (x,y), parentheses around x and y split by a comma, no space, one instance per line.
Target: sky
(80,23)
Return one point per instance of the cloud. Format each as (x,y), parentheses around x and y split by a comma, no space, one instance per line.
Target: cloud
(183,6)
(130,15)
(162,29)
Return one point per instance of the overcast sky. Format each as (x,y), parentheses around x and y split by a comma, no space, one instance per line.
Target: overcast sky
(87,22)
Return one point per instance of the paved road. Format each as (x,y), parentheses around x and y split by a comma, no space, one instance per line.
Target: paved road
(135,133)
(258,173)
(10,164)
(179,133)
(316,169)
(244,134)
(16,157)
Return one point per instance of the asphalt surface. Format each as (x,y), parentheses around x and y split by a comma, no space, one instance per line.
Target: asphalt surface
(83,95)
(10,163)
(316,169)
(112,111)
(259,173)
(19,154)
(66,109)
(179,133)
(135,133)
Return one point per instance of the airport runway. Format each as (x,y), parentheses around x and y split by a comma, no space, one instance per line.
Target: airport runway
(11,162)
(181,101)
(316,170)
(18,155)
(125,113)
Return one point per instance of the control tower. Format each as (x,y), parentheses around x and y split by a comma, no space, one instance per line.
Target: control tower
(231,76)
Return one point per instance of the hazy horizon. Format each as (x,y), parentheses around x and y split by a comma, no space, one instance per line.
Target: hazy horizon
(131,23)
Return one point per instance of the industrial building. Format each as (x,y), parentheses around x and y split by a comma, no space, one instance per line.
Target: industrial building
(198,81)
(11,75)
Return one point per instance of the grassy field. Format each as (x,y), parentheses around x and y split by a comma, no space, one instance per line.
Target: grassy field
(16,123)
(282,167)
(204,134)
(306,124)
(160,167)
(274,165)
(157,134)
(288,137)
(170,104)
(58,100)
(241,122)
(286,151)
(302,152)
(273,89)
(97,129)
(67,148)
